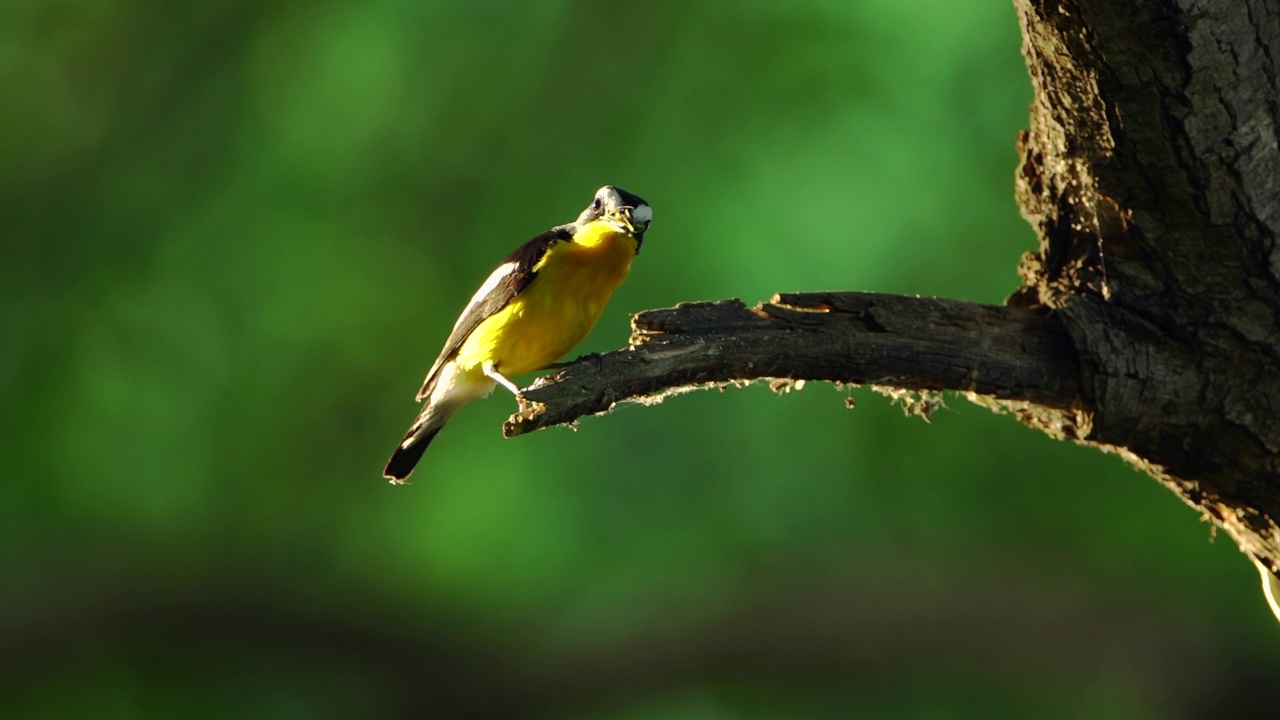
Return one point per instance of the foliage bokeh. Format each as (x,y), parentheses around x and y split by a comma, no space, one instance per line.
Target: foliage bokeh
(235,235)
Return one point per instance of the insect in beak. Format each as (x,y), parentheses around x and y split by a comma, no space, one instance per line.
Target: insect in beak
(621,218)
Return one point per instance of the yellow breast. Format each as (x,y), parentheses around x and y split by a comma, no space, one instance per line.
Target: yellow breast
(558,309)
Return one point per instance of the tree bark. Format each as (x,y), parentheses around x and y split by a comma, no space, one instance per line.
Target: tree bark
(919,344)
(1148,323)
(1149,172)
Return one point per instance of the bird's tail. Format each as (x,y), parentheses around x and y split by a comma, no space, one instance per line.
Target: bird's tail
(415,442)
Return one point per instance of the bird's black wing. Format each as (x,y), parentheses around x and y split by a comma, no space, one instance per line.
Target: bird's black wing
(504,283)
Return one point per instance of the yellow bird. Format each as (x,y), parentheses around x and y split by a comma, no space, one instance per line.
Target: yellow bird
(534,308)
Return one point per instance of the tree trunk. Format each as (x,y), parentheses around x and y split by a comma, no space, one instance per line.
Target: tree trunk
(1150,174)
(1149,321)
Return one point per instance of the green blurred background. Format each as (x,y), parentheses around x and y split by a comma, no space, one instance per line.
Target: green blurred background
(235,235)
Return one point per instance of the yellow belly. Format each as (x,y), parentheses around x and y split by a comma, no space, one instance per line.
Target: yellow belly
(557,310)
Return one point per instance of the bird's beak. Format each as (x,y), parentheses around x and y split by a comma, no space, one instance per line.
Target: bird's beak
(621,219)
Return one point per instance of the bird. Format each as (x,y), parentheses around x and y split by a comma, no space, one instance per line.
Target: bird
(543,299)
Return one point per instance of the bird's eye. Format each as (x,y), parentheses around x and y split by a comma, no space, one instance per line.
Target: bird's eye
(595,204)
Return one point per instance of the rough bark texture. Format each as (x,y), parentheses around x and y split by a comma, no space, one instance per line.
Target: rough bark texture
(920,344)
(1150,173)
(1149,321)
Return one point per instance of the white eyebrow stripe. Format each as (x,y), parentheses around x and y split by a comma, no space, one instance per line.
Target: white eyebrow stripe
(500,273)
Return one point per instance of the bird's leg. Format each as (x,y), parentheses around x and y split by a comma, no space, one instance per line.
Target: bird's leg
(491,371)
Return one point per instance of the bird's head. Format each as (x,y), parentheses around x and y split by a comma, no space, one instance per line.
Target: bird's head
(627,213)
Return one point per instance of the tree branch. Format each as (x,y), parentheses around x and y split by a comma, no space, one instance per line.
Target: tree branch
(909,343)
(1149,320)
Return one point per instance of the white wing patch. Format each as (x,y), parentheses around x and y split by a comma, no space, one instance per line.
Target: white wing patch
(495,278)
(643,215)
